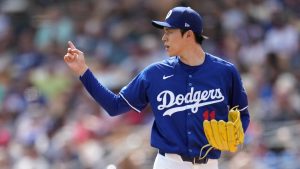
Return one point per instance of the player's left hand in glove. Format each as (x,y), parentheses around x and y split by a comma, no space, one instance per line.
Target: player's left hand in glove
(225,136)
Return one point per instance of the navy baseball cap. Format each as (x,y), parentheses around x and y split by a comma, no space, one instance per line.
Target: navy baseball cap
(182,18)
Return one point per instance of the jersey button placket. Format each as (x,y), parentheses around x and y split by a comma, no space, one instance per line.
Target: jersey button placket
(190,142)
(190,85)
(189,127)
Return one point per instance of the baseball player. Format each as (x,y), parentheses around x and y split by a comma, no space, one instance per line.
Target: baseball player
(198,100)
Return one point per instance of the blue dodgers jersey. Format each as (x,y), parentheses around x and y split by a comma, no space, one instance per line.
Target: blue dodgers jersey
(182,96)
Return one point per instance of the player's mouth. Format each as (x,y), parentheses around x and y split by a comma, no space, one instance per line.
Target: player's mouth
(167,47)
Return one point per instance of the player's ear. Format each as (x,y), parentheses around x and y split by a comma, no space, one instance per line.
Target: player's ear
(189,34)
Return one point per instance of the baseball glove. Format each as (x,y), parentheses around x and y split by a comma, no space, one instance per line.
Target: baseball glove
(225,136)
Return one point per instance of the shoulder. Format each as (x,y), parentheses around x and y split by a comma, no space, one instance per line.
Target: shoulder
(162,65)
(158,68)
(219,61)
(222,64)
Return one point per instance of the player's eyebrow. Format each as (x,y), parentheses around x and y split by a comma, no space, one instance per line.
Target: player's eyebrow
(167,29)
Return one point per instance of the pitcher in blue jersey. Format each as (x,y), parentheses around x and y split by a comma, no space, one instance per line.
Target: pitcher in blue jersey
(183,91)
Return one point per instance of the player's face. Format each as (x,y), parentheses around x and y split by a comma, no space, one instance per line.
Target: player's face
(173,41)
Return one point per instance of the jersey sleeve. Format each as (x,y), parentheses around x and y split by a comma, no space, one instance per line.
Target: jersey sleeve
(112,103)
(135,93)
(239,98)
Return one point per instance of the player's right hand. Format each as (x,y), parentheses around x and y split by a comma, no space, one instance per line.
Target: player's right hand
(75,59)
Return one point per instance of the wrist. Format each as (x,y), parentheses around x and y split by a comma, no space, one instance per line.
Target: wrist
(82,70)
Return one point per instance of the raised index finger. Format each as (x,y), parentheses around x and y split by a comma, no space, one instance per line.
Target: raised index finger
(71,45)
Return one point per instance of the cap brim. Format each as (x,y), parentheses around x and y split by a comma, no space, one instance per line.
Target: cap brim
(160,24)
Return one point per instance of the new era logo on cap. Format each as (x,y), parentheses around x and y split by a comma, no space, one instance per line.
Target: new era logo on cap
(182,18)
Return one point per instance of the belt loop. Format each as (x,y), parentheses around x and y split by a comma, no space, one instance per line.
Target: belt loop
(206,160)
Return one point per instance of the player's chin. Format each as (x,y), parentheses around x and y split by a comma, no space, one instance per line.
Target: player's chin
(170,53)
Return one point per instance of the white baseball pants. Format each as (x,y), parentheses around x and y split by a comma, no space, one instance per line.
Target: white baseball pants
(174,161)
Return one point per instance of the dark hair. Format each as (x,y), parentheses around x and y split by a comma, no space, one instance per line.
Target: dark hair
(198,38)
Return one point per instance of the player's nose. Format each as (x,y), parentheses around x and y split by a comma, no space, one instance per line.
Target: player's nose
(164,38)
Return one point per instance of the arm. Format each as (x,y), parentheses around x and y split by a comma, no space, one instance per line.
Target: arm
(111,102)
(245,118)
(239,98)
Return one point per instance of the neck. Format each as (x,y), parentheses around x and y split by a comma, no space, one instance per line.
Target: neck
(193,56)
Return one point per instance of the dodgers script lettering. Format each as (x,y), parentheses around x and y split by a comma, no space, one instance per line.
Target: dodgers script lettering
(192,100)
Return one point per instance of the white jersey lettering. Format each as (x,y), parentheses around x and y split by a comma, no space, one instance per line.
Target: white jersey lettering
(192,100)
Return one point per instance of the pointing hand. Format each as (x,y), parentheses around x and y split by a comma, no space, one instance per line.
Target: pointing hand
(75,59)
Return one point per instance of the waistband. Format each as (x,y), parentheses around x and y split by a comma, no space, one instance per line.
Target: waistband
(194,160)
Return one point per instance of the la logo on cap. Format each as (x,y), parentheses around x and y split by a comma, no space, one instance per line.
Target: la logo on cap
(169,14)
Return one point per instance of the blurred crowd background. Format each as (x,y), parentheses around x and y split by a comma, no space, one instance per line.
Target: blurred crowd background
(48,121)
